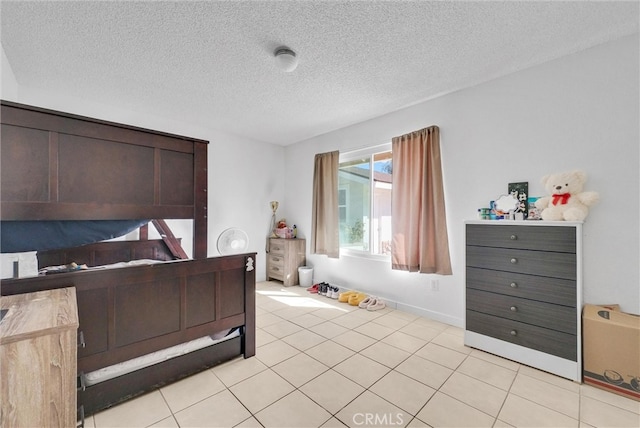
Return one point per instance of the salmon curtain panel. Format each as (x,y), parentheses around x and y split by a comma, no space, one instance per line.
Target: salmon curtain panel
(418,224)
(325,238)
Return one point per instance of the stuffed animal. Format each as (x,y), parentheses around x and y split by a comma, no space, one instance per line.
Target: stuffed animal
(567,201)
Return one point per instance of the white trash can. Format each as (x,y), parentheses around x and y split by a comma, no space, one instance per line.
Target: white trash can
(305,276)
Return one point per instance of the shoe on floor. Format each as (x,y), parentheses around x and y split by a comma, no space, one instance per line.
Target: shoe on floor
(336,293)
(366,302)
(344,296)
(376,304)
(322,288)
(355,299)
(326,290)
(330,291)
(313,289)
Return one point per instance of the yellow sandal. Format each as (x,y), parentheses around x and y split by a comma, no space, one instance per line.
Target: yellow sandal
(355,299)
(344,296)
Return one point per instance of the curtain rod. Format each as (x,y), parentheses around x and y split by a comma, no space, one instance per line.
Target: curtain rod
(351,151)
(359,149)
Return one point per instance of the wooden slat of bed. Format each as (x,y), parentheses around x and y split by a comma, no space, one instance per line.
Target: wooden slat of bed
(105,253)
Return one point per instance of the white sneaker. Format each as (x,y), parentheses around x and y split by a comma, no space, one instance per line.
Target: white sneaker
(336,293)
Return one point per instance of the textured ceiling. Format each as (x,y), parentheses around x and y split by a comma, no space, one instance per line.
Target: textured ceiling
(211,63)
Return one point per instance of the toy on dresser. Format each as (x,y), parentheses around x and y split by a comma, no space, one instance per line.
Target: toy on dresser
(567,201)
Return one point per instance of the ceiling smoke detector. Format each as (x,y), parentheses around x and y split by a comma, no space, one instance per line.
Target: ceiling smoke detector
(286,59)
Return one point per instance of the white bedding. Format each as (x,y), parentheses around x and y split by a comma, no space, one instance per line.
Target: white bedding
(143,361)
(74,267)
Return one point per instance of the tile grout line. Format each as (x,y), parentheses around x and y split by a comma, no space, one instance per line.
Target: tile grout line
(467,355)
(518,371)
(367,389)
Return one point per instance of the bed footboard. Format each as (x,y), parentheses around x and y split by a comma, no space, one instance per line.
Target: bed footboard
(132,311)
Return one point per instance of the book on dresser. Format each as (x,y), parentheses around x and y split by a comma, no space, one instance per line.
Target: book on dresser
(524,292)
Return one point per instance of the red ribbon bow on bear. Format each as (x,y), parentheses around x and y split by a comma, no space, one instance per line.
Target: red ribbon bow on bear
(560,199)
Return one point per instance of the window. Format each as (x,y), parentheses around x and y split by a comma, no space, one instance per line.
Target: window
(364,200)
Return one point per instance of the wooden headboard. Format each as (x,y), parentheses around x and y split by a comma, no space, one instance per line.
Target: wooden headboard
(59,166)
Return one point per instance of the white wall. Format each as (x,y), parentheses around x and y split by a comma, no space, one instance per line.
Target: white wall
(8,83)
(243,178)
(580,111)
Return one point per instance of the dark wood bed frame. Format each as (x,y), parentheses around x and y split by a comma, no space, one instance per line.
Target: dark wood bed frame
(58,166)
(110,252)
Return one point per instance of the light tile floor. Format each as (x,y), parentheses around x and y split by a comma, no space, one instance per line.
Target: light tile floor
(320,363)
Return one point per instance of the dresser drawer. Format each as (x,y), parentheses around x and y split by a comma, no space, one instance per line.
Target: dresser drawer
(541,314)
(540,238)
(275,272)
(552,342)
(275,266)
(275,260)
(540,288)
(276,247)
(555,265)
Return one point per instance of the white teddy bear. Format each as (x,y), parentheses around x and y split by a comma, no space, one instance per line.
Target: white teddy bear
(567,201)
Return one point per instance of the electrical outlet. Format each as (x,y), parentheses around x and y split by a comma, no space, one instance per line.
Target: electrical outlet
(435,285)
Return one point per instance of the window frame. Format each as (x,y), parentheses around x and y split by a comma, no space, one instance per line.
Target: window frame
(354,155)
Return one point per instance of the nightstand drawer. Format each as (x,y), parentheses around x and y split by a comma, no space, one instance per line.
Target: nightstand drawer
(540,288)
(555,265)
(276,272)
(275,260)
(541,339)
(276,247)
(547,315)
(539,238)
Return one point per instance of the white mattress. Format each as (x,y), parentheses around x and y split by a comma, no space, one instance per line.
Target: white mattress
(147,360)
(73,267)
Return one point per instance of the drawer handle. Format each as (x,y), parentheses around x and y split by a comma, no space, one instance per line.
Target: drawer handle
(514,261)
(275,259)
(514,333)
(81,342)
(275,268)
(82,382)
(513,237)
(513,285)
(514,309)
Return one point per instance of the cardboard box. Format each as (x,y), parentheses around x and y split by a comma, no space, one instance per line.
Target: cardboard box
(611,350)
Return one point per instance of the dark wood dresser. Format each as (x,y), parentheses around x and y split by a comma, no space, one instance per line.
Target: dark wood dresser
(524,292)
